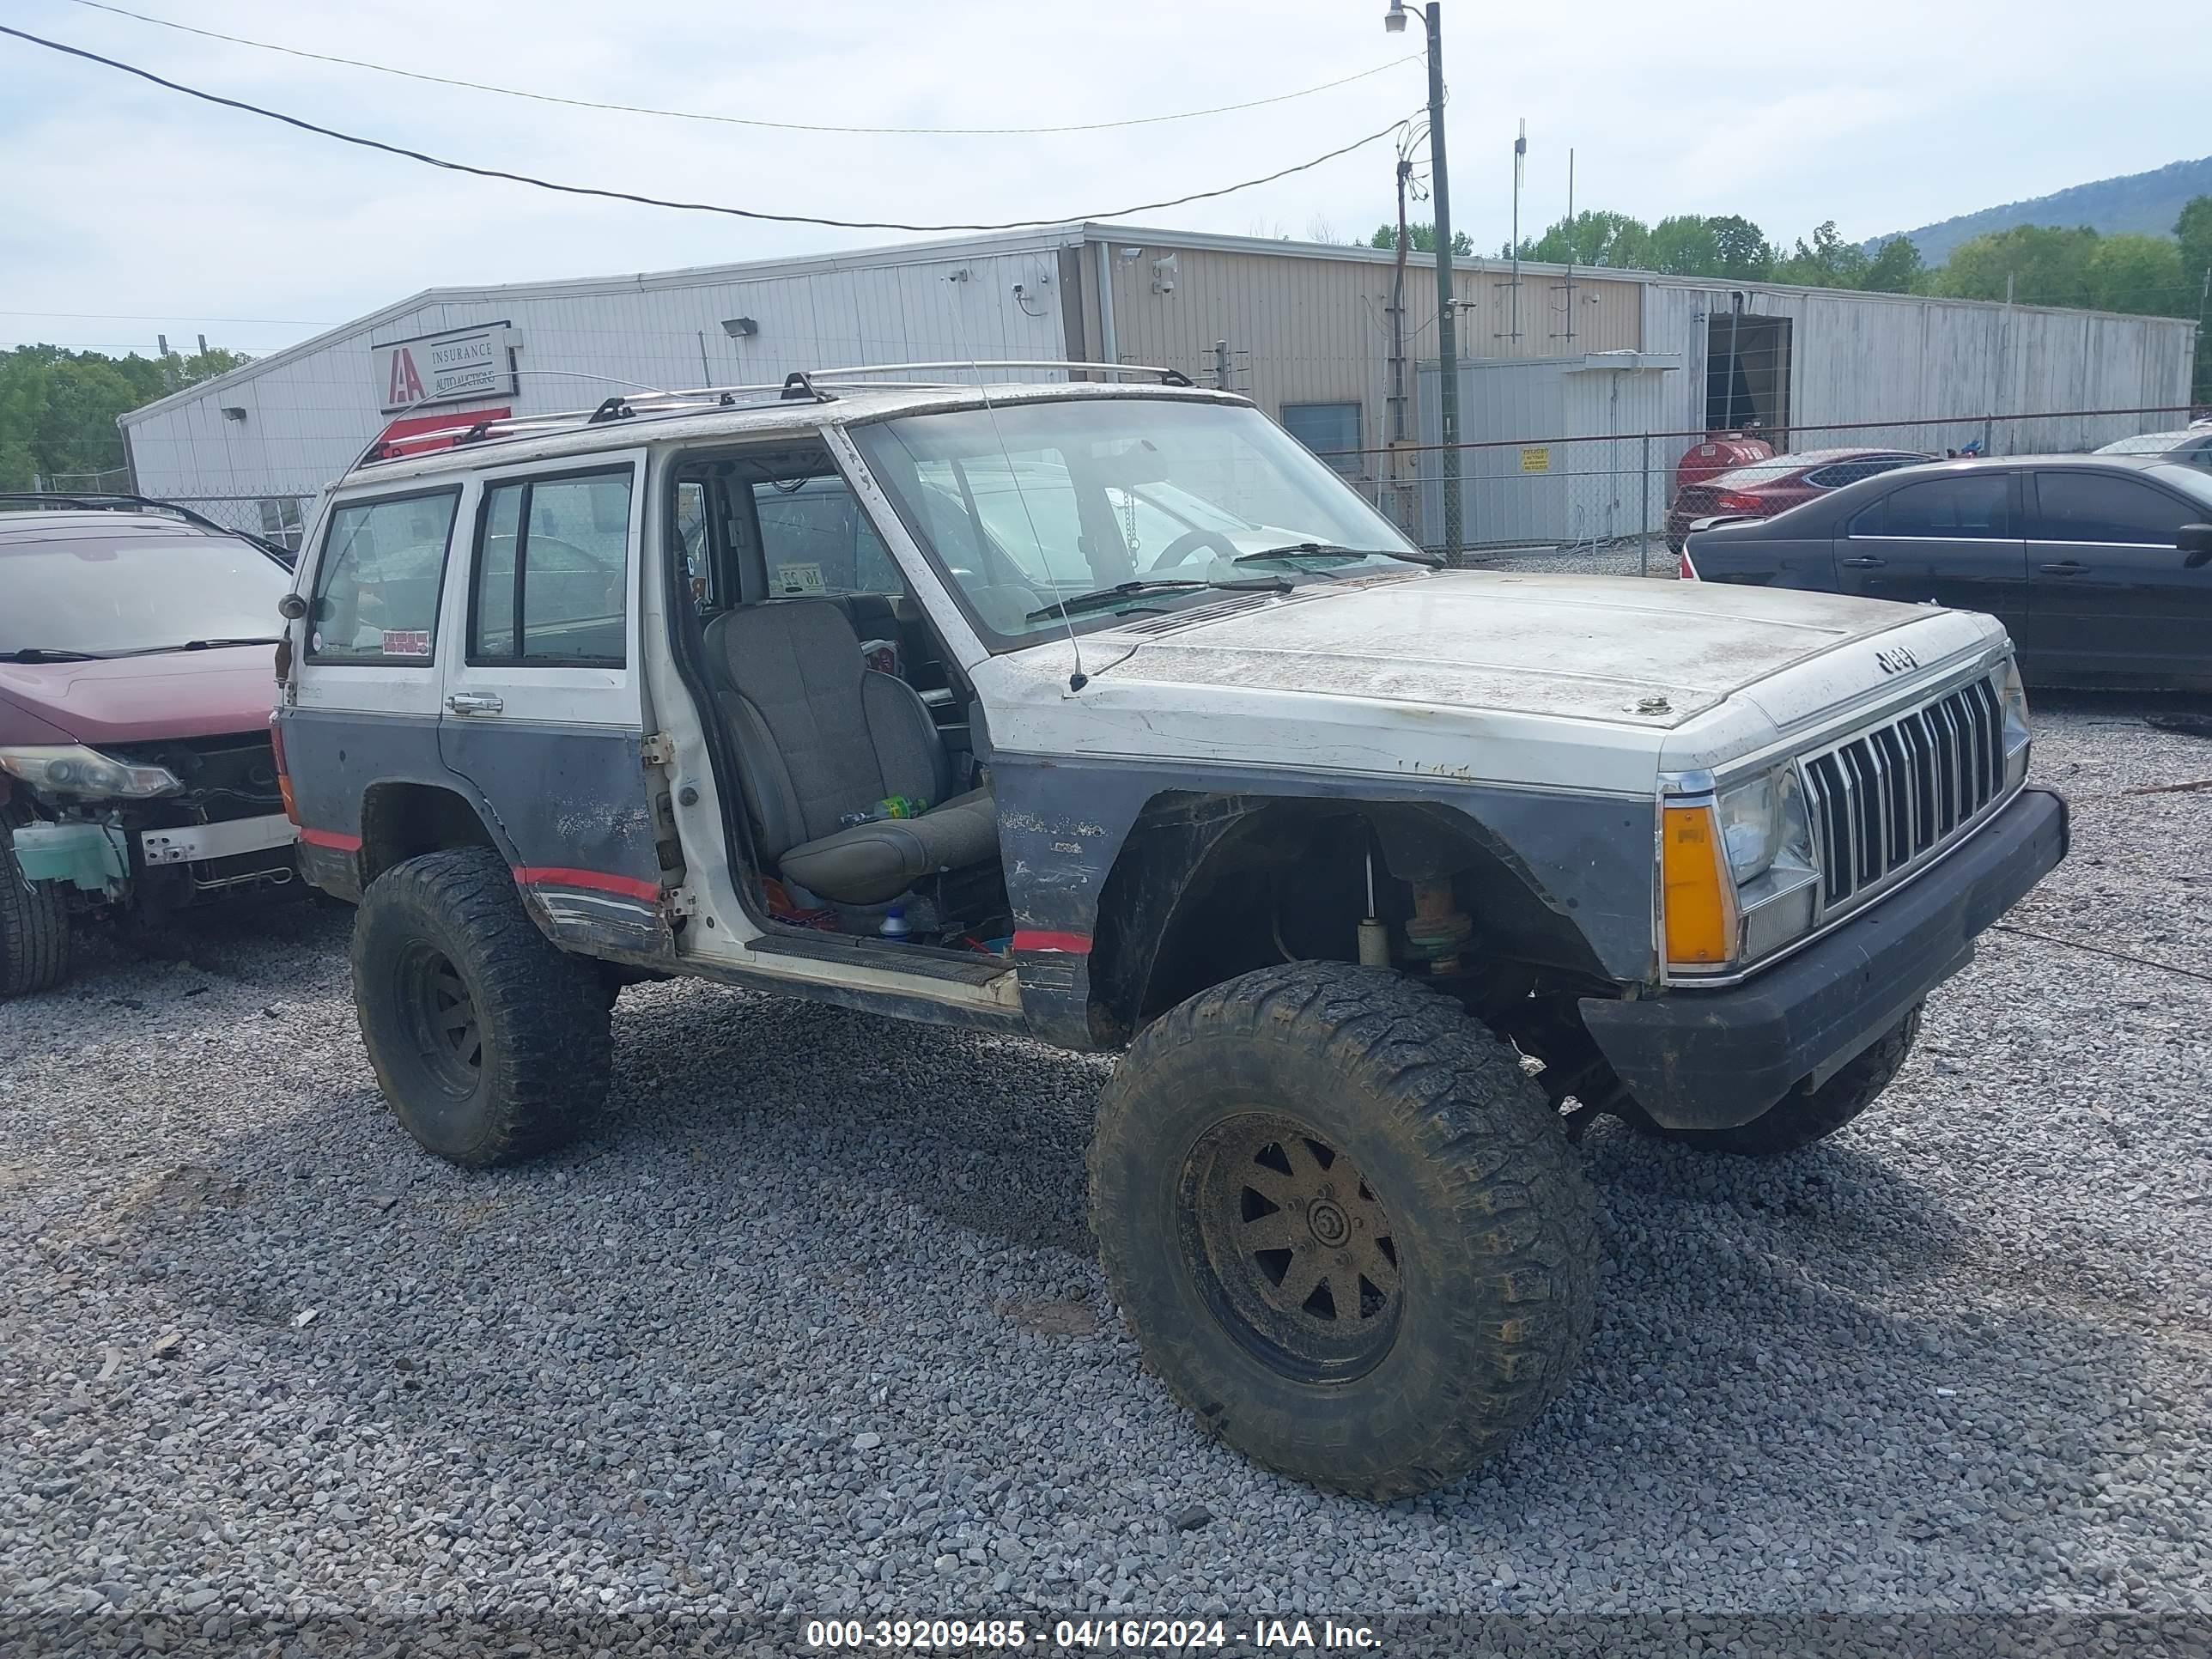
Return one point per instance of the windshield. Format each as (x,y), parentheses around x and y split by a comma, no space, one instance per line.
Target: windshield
(1033,503)
(110,596)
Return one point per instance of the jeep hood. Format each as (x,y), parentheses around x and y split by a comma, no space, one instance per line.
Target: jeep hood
(168,694)
(1621,649)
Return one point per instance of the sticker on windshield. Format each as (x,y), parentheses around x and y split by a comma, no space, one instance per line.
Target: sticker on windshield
(406,642)
(798,578)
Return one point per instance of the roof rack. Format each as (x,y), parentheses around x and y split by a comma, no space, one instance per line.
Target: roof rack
(109,501)
(797,386)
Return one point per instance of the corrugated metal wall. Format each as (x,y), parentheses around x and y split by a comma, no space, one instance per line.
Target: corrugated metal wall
(306,419)
(1305,327)
(1872,357)
(1565,478)
(1304,323)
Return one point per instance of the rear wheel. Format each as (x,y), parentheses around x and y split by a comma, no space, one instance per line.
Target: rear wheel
(491,1044)
(1347,1230)
(34,920)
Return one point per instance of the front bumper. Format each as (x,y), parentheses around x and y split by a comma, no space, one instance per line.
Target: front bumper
(1712,1060)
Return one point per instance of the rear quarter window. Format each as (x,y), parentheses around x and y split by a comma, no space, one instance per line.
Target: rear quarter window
(377,580)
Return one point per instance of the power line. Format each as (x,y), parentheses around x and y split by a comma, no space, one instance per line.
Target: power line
(740,120)
(662,201)
(162,317)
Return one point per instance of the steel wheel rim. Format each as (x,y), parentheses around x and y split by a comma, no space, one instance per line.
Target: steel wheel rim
(1291,1247)
(442,1016)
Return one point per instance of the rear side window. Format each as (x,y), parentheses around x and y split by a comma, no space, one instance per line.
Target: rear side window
(1850,472)
(2089,506)
(376,585)
(1979,506)
(552,572)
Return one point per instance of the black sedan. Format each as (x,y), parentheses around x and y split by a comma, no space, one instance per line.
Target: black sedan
(2098,566)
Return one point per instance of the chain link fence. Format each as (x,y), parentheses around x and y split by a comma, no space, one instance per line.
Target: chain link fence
(1621,501)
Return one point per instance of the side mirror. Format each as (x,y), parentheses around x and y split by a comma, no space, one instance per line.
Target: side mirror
(293,606)
(2195,540)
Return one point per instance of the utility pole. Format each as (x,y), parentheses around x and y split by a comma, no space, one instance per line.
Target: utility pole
(1221,365)
(1394,21)
(1520,168)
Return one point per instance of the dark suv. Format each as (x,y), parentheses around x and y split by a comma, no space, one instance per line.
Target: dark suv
(136,770)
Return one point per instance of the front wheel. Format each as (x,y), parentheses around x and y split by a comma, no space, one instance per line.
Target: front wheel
(491,1044)
(35,920)
(1347,1228)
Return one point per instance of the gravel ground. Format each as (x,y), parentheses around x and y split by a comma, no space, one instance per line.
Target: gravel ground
(813,1324)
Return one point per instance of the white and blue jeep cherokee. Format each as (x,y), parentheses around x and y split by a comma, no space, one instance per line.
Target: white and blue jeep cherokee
(1103,713)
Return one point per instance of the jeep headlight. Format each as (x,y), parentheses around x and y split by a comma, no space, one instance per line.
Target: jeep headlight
(70,768)
(1764,820)
(1737,874)
(2011,693)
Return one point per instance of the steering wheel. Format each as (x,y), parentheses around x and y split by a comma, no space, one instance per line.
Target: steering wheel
(1179,551)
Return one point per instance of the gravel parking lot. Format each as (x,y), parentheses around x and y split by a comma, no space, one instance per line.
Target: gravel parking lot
(814,1324)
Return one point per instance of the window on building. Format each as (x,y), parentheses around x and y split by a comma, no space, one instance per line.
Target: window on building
(376,585)
(1980,505)
(2089,506)
(552,576)
(1327,429)
(282,520)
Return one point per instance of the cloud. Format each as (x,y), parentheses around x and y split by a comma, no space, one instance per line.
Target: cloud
(122,198)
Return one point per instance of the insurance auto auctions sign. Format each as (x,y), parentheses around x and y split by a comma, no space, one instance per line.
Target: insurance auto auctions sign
(443,368)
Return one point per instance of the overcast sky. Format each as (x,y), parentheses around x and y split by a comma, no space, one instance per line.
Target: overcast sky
(171,214)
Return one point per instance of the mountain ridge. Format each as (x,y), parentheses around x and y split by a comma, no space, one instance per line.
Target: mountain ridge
(2145,204)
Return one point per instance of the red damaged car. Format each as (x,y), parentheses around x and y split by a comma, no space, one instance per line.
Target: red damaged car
(136,768)
(1776,484)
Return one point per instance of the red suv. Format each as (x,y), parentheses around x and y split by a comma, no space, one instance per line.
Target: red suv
(135,771)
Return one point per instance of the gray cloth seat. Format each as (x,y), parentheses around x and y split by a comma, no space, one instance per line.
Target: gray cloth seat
(820,735)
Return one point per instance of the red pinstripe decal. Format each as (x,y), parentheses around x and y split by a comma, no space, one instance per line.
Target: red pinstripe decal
(545,875)
(1074,945)
(337,839)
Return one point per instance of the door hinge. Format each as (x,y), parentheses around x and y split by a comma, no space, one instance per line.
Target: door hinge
(659,749)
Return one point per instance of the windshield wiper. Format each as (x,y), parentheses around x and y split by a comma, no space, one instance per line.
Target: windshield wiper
(1330,550)
(1103,596)
(213,645)
(41,653)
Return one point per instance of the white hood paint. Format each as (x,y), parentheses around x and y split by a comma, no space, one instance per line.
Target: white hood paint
(1550,681)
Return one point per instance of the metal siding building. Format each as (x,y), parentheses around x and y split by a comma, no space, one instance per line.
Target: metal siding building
(1306,330)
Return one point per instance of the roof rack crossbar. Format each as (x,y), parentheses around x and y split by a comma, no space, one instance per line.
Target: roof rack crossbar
(1165,376)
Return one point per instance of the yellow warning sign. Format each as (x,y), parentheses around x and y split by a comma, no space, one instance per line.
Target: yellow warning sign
(1535,458)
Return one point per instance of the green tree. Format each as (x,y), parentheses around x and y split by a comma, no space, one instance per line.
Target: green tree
(1895,267)
(1744,249)
(1828,261)
(1421,239)
(2048,266)
(2193,231)
(57,408)
(1596,237)
(2139,274)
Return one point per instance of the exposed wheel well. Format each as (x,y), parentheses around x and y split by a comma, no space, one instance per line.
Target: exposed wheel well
(401,821)
(1210,886)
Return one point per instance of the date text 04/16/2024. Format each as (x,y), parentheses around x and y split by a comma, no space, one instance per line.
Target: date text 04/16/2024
(1158,1635)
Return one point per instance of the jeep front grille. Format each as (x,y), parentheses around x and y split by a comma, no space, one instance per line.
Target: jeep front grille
(1893,798)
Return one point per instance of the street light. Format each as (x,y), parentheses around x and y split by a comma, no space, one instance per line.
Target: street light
(1394,22)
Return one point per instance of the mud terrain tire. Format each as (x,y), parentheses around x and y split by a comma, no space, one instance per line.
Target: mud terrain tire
(1416,1358)
(491,1045)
